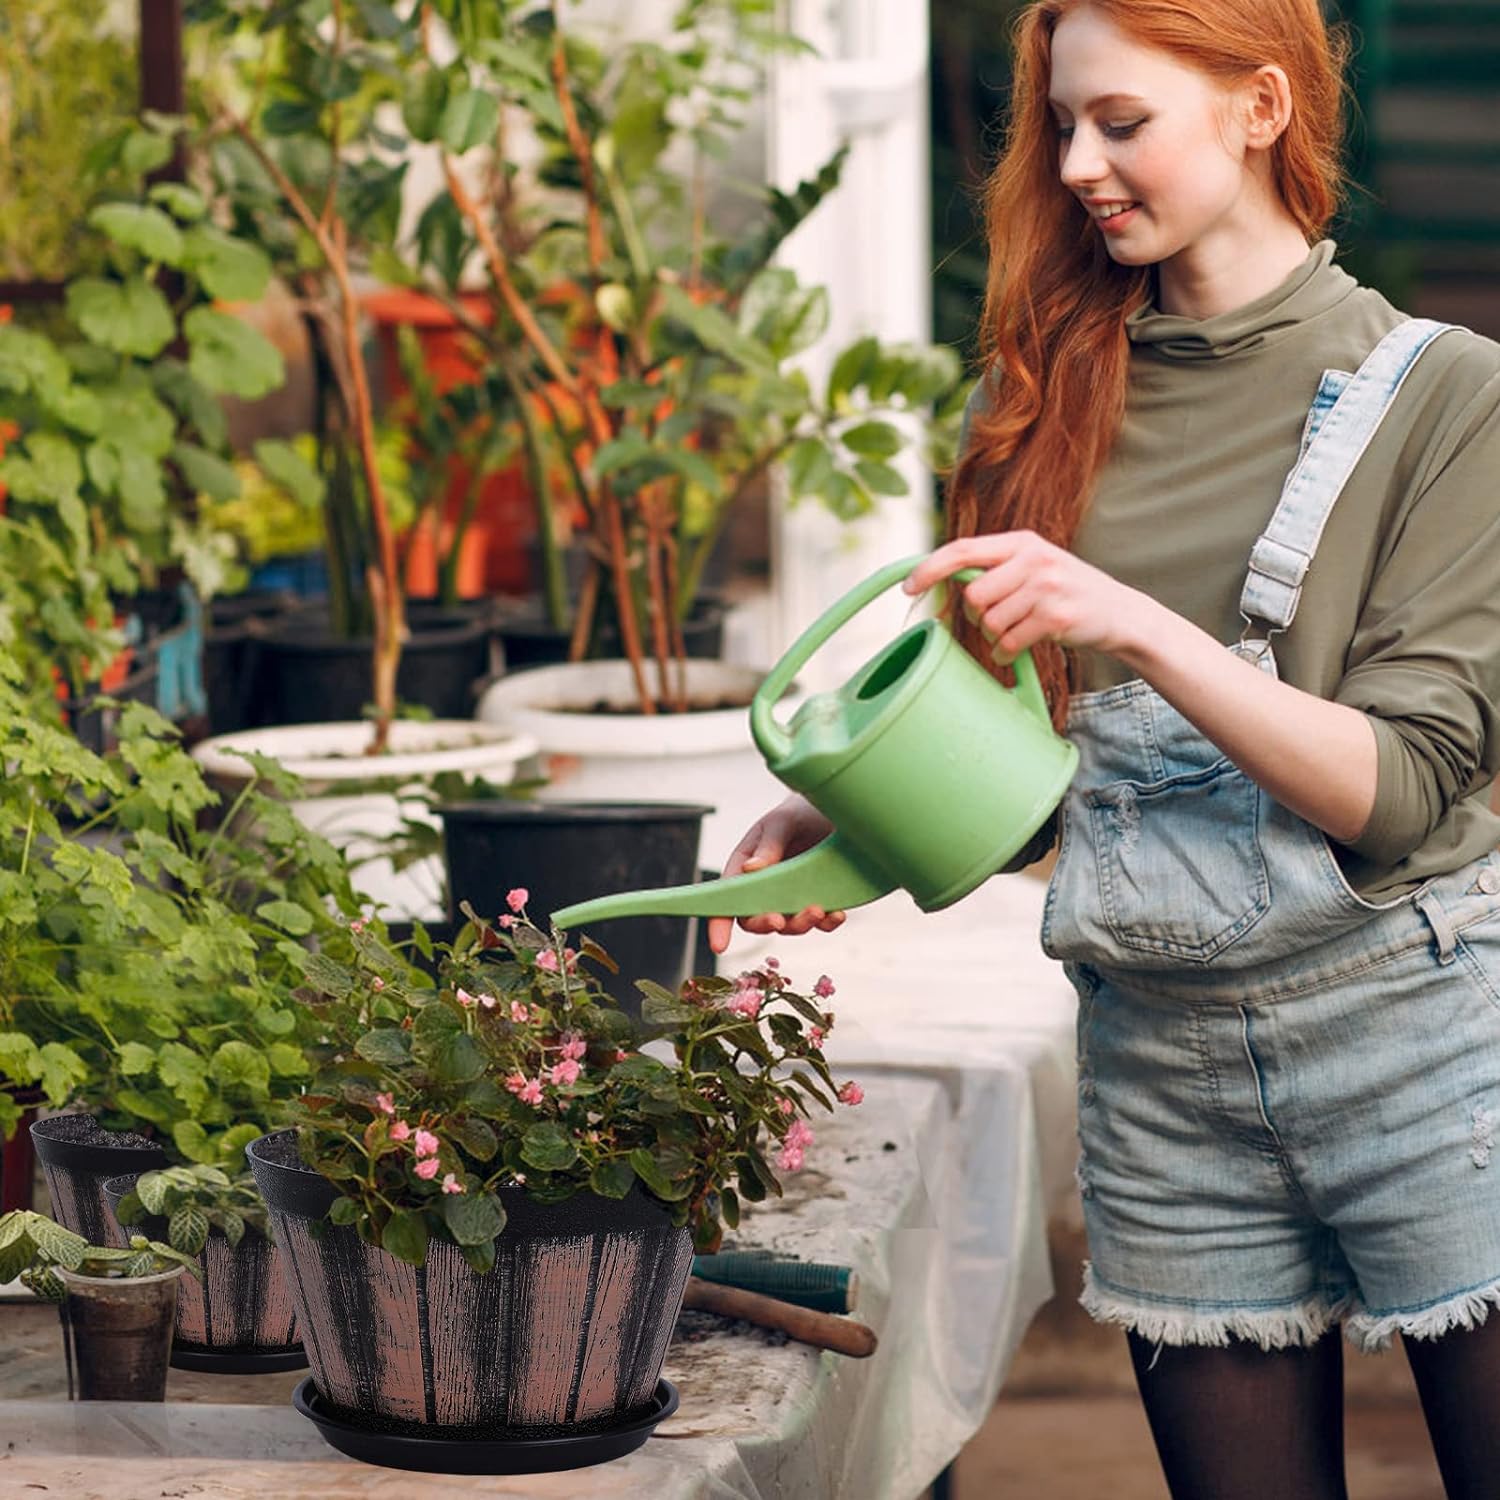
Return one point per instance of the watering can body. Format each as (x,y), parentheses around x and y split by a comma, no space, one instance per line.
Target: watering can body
(933,774)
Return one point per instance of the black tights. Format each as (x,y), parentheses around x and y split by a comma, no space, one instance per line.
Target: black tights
(1241,1424)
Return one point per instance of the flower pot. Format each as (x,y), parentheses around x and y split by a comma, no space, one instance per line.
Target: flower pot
(238,1320)
(17,1155)
(331,761)
(78,1155)
(308,675)
(118,1331)
(564,852)
(624,756)
(529,639)
(230,656)
(565,1335)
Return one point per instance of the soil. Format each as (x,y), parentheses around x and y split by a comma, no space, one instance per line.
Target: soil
(85,1130)
(632,710)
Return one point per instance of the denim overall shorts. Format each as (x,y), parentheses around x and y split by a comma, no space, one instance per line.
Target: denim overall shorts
(1289,1096)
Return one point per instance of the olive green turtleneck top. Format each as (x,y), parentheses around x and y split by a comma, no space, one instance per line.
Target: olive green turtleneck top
(1400,611)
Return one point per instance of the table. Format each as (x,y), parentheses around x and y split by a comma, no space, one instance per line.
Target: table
(937,1190)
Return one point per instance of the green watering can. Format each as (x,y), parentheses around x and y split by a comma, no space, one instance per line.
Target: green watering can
(933,774)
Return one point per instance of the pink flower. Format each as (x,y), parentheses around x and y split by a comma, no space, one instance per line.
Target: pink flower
(451,1184)
(515,1083)
(787,1107)
(547,960)
(377,984)
(798,1135)
(815,1035)
(532,1092)
(428,1169)
(789,1159)
(517,898)
(400,1130)
(425,1143)
(520,1179)
(488,1002)
(357,925)
(519,1012)
(565,1072)
(574,1048)
(620,1054)
(465,999)
(824,987)
(385,1104)
(506,921)
(851,1093)
(746,1003)
(773,963)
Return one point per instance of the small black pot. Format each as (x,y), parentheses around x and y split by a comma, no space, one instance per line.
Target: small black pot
(566,1334)
(529,639)
(119,1331)
(78,1155)
(230,655)
(238,1320)
(565,852)
(308,675)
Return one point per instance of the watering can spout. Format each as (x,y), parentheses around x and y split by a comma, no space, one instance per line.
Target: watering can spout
(832,875)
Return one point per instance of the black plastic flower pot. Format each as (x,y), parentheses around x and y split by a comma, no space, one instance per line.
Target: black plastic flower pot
(119,1333)
(529,639)
(563,1338)
(78,1155)
(231,655)
(566,852)
(238,1320)
(308,675)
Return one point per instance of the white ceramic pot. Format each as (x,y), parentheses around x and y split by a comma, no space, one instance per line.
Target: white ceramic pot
(625,756)
(328,757)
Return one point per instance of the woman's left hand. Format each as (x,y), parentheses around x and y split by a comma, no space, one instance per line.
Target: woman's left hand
(1033,591)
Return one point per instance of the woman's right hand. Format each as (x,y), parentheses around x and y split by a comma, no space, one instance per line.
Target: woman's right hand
(790,828)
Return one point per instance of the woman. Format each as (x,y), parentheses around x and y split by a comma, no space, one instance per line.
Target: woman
(1261,511)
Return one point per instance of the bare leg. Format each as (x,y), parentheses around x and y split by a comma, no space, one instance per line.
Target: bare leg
(1240,1423)
(1458,1379)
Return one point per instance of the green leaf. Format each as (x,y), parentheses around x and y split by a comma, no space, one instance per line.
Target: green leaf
(436,1021)
(388,1046)
(187,1229)
(130,317)
(229,356)
(729,1206)
(233,1226)
(62,1070)
(469,119)
(192,1140)
(424,96)
(852,368)
(457,1060)
(345,1210)
(130,1209)
(230,1147)
(405,1237)
(872,440)
(231,269)
(660,1007)
(238,1065)
(184,203)
(881,478)
(153,1188)
(324,974)
(205,472)
(548,1147)
(474,1137)
(135,1058)
(290,117)
(285,466)
(286,1060)
(286,915)
(649,1168)
(809,465)
(473,1218)
(143,151)
(140,227)
(612,1178)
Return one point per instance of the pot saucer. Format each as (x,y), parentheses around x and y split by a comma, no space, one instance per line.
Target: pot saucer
(444,1455)
(245,1362)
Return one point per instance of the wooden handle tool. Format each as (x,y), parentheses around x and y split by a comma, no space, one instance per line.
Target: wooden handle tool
(821,1330)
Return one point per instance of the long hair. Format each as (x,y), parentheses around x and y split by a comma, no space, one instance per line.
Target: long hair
(1053,341)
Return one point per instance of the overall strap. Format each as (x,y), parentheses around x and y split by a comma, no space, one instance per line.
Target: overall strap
(1281,557)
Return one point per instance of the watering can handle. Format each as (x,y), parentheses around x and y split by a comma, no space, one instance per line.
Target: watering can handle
(772,738)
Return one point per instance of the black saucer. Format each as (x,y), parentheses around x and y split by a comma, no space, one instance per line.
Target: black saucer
(239,1362)
(440,1455)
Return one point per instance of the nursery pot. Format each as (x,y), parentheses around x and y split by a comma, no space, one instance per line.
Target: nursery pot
(78,1155)
(596,747)
(563,852)
(339,802)
(230,658)
(238,1320)
(308,674)
(119,1332)
(565,1335)
(528,638)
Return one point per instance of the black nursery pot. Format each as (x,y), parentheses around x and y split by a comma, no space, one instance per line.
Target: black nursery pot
(529,639)
(564,1336)
(566,852)
(239,1319)
(78,1155)
(231,654)
(308,675)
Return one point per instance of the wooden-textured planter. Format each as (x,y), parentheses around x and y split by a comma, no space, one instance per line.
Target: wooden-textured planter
(239,1319)
(78,1155)
(566,1334)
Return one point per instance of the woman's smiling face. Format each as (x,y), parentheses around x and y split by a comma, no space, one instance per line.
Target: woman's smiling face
(1150,146)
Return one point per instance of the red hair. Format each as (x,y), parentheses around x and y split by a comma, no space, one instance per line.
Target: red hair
(1053,336)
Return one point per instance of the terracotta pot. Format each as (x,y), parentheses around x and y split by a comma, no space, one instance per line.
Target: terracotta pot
(239,1318)
(78,1155)
(566,1334)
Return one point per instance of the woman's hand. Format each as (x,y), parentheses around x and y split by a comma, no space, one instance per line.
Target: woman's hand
(1034,591)
(790,828)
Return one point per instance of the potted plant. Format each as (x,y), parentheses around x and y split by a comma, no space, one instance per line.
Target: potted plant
(500,1153)
(116,1303)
